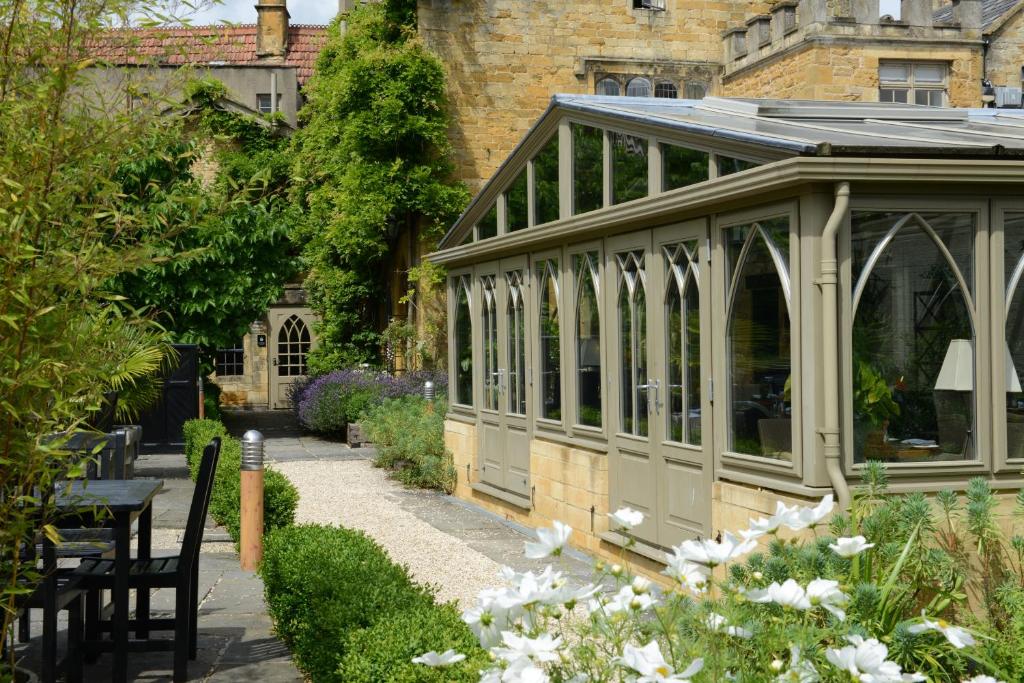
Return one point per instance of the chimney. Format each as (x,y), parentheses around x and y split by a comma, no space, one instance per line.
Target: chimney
(272,29)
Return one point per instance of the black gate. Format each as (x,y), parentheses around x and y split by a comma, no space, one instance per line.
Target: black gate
(161,425)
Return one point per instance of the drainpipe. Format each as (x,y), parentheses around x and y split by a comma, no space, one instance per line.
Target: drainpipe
(830,328)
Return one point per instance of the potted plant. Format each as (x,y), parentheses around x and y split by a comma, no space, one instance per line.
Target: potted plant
(873,406)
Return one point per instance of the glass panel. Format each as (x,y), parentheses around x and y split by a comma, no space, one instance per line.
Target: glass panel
(587,168)
(550,334)
(292,347)
(638,87)
(759,344)
(588,340)
(913,357)
(468,239)
(608,86)
(633,343)
(899,73)
(682,166)
(668,90)
(929,73)
(463,345)
(730,165)
(1013,230)
(516,346)
(691,356)
(676,388)
(515,207)
(629,167)
(696,91)
(683,350)
(545,179)
(488,225)
(928,98)
(492,384)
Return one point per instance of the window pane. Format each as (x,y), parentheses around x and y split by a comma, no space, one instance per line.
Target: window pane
(682,167)
(759,345)
(468,239)
(588,340)
(515,207)
(515,346)
(463,345)
(587,169)
(696,91)
(550,334)
(545,178)
(1013,231)
(929,98)
(490,321)
(632,343)
(730,165)
(638,87)
(674,334)
(488,225)
(929,73)
(913,360)
(899,73)
(666,90)
(683,348)
(629,167)
(608,86)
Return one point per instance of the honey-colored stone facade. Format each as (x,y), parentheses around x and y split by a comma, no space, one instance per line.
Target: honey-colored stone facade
(850,72)
(1006,52)
(251,389)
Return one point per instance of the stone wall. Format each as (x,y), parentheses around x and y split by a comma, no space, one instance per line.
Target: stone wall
(250,390)
(850,72)
(1006,53)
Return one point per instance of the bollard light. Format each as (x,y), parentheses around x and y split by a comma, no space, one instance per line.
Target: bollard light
(252,451)
(428,390)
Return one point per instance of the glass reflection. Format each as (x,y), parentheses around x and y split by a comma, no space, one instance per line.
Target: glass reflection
(492,378)
(587,169)
(515,204)
(550,336)
(463,344)
(629,167)
(682,166)
(1013,263)
(633,343)
(516,343)
(488,225)
(588,339)
(545,183)
(730,165)
(682,315)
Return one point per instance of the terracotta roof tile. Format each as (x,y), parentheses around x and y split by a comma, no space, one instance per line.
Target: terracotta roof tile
(233,45)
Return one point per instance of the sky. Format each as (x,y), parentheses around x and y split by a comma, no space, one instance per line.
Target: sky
(243,12)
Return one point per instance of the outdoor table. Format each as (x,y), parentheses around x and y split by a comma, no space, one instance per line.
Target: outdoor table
(126,500)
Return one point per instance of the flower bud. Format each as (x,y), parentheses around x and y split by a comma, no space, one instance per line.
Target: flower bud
(616,570)
(777,665)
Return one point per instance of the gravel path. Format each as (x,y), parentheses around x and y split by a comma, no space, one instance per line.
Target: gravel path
(356,495)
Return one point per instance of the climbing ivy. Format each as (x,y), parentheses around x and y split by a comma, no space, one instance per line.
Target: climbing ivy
(374,159)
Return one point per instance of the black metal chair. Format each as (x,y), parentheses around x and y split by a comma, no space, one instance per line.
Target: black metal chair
(179,572)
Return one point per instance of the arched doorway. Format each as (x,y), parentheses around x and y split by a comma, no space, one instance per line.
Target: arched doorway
(291,338)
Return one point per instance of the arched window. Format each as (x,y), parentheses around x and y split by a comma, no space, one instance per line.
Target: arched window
(608,86)
(588,339)
(293,344)
(549,330)
(489,317)
(1013,248)
(463,343)
(638,87)
(913,336)
(682,316)
(515,312)
(666,89)
(632,307)
(759,339)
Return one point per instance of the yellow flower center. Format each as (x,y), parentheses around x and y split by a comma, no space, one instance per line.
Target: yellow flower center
(662,670)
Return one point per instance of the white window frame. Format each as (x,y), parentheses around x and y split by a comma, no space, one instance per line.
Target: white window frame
(912,86)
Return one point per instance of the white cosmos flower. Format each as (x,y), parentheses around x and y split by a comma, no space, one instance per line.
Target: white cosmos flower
(810,517)
(716,622)
(713,553)
(626,518)
(693,576)
(865,660)
(800,670)
(549,541)
(652,667)
(486,620)
(850,546)
(522,670)
(826,593)
(626,600)
(958,637)
(543,648)
(446,658)
(788,594)
(640,585)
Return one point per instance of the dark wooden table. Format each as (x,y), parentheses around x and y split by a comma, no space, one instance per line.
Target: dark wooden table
(126,500)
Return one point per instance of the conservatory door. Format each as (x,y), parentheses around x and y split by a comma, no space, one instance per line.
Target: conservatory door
(504,439)
(291,338)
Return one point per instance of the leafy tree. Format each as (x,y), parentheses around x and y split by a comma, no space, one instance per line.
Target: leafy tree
(375,160)
(230,254)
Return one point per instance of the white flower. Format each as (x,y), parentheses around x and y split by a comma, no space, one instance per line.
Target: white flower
(865,660)
(626,518)
(626,600)
(484,624)
(712,553)
(693,576)
(807,517)
(543,648)
(549,541)
(523,670)
(850,547)
(800,670)
(789,594)
(652,667)
(982,678)
(958,637)
(826,593)
(640,585)
(716,622)
(446,658)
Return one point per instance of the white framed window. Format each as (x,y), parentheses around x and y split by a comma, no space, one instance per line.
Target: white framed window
(656,5)
(666,89)
(263,103)
(922,83)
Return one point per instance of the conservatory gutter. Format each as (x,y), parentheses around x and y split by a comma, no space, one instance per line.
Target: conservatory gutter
(782,175)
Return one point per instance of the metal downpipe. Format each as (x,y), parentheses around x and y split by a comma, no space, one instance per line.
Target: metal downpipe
(830,329)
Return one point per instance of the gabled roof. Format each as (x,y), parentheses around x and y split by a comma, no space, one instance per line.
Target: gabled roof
(233,45)
(991,12)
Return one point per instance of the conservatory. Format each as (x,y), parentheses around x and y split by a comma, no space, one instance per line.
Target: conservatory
(698,308)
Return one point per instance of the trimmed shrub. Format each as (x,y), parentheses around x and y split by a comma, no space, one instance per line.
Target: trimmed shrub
(409,438)
(384,651)
(280,497)
(322,583)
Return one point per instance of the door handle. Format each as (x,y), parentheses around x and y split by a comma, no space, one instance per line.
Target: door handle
(655,386)
(274,362)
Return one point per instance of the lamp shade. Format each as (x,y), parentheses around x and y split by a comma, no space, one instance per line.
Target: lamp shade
(1012,380)
(957,373)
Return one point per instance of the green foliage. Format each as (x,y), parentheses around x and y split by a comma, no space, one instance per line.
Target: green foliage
(409,437)
(384,651)
(280,497)
(211,400)
(872,397)
(374,158)
(323,584)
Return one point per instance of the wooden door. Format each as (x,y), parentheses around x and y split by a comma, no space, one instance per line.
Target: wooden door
(291,338)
